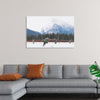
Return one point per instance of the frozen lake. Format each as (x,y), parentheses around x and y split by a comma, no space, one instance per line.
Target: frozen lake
(50,45)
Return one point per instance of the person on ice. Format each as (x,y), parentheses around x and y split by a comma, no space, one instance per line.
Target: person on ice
(45,41)
(33,41)
(55,41)
(69,41)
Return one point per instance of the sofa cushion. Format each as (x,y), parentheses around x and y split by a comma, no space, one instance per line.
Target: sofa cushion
(10,87)
(70,71)
(15,96)
(22,69)
(61,83)
(84,71)
(45,71)
(10,68)
(62,90)
(54,71)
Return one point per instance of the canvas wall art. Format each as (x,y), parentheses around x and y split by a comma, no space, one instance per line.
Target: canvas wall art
(50,32)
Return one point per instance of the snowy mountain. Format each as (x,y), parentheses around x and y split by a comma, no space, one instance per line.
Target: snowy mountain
(31,32)
(55,28)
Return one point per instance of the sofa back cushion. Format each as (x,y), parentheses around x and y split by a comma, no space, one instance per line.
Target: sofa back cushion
(53,71)
(23,69)
(10,68)
(45,71)
(69,71)
(76,71)
(84,71)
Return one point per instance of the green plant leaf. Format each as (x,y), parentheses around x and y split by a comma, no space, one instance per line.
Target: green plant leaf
(95,72)
(93,67)
(98,75)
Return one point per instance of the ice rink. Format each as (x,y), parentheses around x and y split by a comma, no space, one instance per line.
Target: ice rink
(50,45)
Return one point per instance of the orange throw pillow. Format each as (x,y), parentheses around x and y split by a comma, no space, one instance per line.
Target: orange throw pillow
(10,77)
(35,71)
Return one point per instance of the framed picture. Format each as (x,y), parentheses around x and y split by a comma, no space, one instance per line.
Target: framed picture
(50,32)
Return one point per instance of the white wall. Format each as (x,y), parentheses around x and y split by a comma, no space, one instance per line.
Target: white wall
(13,31)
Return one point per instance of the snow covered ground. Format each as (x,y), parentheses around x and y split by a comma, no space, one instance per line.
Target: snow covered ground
(50,45)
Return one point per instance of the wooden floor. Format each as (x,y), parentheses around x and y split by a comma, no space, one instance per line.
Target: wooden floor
(59,97)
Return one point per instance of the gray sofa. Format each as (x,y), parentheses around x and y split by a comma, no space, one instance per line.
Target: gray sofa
(57,79)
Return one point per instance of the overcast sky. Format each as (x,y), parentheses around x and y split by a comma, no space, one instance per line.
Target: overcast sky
(36,23)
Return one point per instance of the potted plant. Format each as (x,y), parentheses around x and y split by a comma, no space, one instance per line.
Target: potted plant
(94,70)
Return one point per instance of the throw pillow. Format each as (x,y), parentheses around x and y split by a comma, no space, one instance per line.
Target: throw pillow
(35,71)
(10,76)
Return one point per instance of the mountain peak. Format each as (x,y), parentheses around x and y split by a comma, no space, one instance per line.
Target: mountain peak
(31,32)
(56,28)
